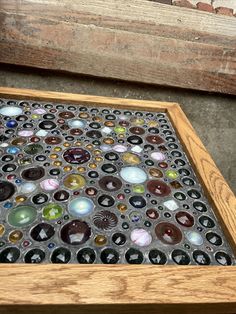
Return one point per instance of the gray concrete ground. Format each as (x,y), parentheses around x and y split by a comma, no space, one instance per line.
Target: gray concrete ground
(213,116)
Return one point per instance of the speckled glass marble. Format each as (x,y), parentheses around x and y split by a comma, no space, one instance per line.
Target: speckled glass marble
(100,185)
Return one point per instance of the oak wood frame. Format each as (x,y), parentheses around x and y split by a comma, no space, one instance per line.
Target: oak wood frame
(129,288)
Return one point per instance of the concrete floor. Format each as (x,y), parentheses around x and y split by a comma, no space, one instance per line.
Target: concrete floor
(213,116)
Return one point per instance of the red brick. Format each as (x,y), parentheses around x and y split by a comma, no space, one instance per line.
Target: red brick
(225,11)
(205,7)
(184,3)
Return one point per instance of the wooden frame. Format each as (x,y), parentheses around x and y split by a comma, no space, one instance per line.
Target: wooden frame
(138,40)
(129,288)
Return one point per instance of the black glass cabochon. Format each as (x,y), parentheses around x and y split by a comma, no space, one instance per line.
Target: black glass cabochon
(120,173)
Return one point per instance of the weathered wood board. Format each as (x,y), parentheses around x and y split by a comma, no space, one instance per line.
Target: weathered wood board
(135,40)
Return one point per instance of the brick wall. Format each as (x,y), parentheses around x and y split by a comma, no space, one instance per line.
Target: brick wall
(224,7)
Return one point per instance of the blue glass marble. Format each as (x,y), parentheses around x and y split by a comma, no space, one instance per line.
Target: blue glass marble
(11,124)
(13,150)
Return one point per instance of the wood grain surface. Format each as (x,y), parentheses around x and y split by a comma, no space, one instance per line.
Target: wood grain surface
(134,40)
(129,289)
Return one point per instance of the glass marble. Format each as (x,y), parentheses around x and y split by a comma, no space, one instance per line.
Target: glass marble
(133,175)
(80,207)
(22,216)
(88,184)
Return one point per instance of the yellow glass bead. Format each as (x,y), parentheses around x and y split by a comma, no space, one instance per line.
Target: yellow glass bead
(121,135)
(67,168)
(108,141)
(78,143)
(2,229)
(92,165)
(98,159)
(57,149)
(81,169)
(131,158)
(20,198)
(84,115)
(53,156)
(66,144)
(97,119)
(152,123)
(137,121)
(109,123)
(89,146)
(15,236)
(100,240)
(97,152)
(122,207)
(74,181)
(35,116)
(57,163)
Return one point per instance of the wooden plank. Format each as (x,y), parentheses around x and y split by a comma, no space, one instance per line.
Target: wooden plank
(116,285)
(137,41)
(128,288)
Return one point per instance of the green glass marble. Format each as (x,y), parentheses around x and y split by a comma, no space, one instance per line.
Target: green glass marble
(52,212)
(138,188)
(119,129)
(171,174)
(22,216)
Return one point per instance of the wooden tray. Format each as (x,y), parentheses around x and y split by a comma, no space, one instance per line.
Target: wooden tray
(129,288)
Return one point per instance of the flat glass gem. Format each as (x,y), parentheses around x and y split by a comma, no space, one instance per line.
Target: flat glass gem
(22,216)
(76,156)
(194,238)
(134,256)
(180,257)
(34,256)
(214,238)
(141,237)
(184,219)
(75,232)
(52,211)
(15,236)
(11,124)
(33,174)
(33,149)
(27,187)
(152,213)
(119,238)
(42,232)
(158,156)
(40,198)
(131,158)
(172,174)
(133,175)
(110,183)
(154,172)
(223,259)
(171,205)
(61,255)
(201,258)
(157,257)
(74,181)
(158,188)
(76,123)
(9,255)
(100,240)
(2,230)
(10,111)
(168,233)
(7,189)
(80,207)
(61,196)
(86,256)
(138,188)
(109,256)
